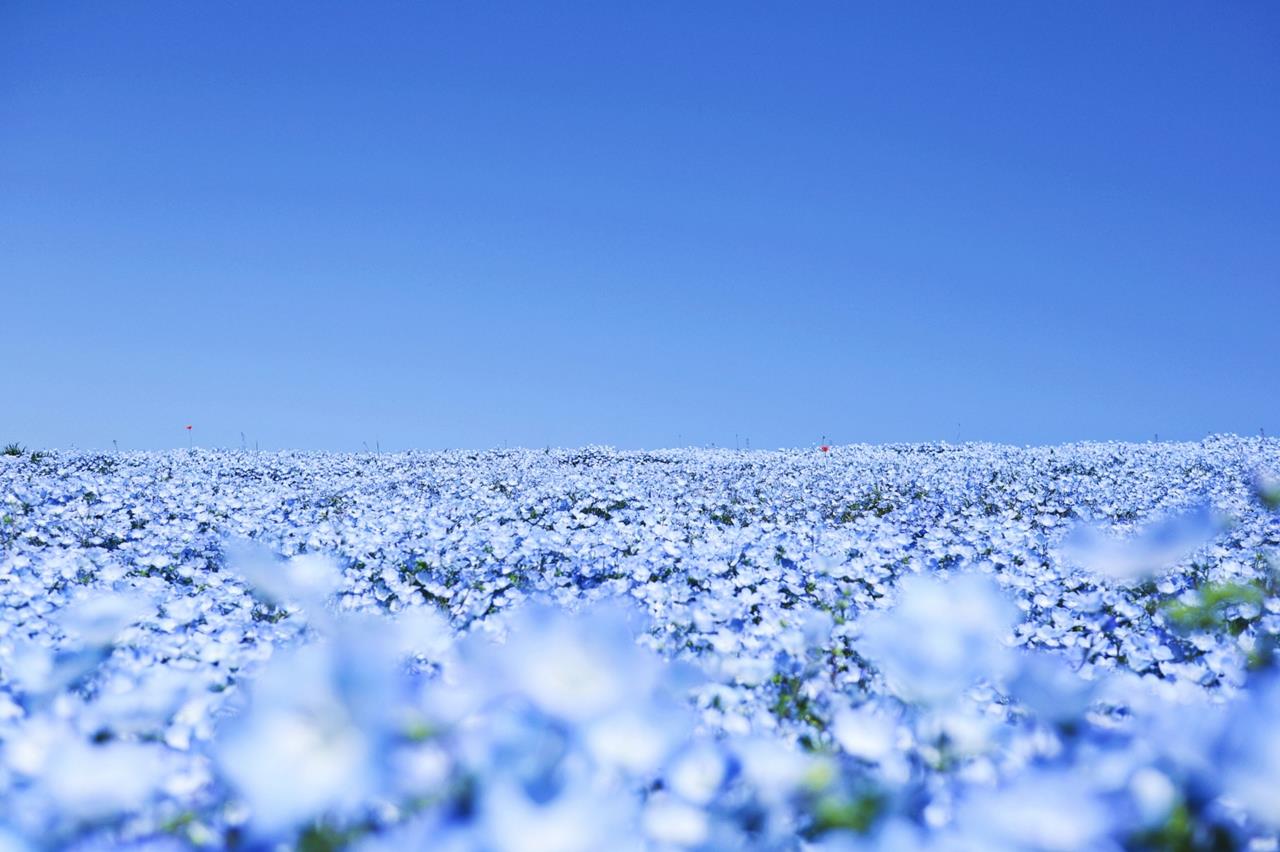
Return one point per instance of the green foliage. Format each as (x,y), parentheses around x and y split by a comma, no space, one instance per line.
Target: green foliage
(176,824)
(875,502)
(792,703)
(1268,493)
(267,613)
(14,449)
(322,837)
(604,512)
(723,516)
(846,813)
(1264,654)
(1212,608)
(1182,832)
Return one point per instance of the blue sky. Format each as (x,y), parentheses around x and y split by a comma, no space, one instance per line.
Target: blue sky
(447,224)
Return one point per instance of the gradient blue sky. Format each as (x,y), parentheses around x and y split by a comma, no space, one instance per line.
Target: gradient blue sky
(463,224)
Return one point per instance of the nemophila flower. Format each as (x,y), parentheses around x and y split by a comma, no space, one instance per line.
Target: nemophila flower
(1153,549)
(940,637)
(1250,755)
(89,781)
(1051,688)
(430,831)
(1041,811)
(320,731)
(866,733)
(11,842)
(31,668)
(307,579)
(671,822)
(774,770)
(63,778)
(1154,796)
(140,705)
(577,668)
(298,752)
(420,632)
(82,634)
(698,773)
(97,620)
(578,820)
(639,738)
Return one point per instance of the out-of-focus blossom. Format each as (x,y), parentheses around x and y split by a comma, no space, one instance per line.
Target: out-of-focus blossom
(298,752)
(1041,811)
(91,781)
(865,733)
(1250,755)
(698,773)
(307,579)
(84,781)
(1051,688)
(1153,549)
(97,620)
(671,822)
(575,668)
(575,821)
(1267,486)
(11,842)
(941,637)
(1154,794)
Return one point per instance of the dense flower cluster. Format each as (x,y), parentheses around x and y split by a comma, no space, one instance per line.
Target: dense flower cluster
(924,647)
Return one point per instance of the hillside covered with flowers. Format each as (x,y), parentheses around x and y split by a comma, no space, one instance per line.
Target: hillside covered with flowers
(974,647)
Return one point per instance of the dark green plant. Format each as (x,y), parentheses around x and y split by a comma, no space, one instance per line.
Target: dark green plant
(855,813)
(1267,490)
(1211,608)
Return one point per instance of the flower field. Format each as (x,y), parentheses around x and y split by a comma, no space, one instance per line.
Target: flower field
(899,647)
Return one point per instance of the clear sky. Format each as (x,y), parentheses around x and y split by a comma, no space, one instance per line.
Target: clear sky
(462,224)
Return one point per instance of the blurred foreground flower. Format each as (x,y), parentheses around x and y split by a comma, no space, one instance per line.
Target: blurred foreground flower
(940,637)
(1156,547)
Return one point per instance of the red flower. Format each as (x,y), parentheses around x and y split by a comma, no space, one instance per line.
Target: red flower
(188,428)
(824,447)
